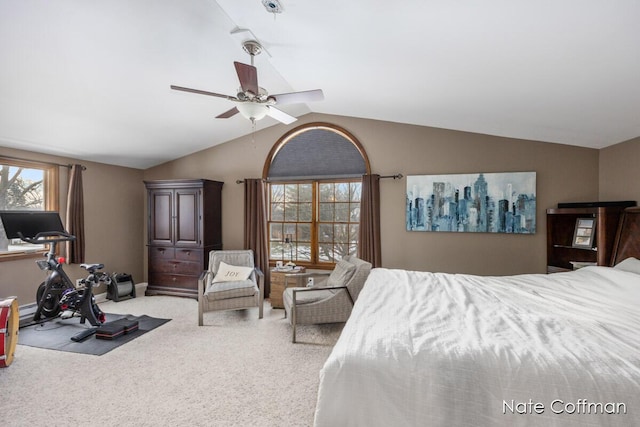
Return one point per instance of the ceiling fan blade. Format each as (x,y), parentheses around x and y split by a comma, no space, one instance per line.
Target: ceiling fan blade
(248,76)
(203,92)
(228,113)
(280,115)
(299,97)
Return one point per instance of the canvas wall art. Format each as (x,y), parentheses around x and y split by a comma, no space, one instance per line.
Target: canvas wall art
(478,202)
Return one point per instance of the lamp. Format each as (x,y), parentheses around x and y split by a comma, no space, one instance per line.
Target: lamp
(252,110)
(288,240)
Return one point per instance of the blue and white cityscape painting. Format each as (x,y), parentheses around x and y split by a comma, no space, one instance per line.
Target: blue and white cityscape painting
(480,202)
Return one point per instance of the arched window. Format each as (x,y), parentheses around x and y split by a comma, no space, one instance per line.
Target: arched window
(315,182)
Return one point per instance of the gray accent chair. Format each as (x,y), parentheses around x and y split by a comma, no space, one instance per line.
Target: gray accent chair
(230,295)
(331,299)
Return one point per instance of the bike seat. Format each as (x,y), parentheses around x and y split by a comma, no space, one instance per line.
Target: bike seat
(92,267)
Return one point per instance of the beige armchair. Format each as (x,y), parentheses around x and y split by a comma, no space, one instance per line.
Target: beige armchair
(231,282)
(331,299)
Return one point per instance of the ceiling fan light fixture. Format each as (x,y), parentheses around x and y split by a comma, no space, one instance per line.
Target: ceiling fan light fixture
(252,110)
(252,101)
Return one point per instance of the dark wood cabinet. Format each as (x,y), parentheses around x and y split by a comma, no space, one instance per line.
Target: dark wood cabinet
(561,224)
(184,225)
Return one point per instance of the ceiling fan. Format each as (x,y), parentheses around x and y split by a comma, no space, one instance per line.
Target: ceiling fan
(254,102)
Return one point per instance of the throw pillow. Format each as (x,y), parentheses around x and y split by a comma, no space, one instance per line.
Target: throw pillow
(231,273)
(341,274)
(631,265)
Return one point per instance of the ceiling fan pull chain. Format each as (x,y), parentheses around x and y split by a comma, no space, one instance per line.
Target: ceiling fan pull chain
(253,133)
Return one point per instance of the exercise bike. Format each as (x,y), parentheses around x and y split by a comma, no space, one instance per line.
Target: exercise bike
(57,295)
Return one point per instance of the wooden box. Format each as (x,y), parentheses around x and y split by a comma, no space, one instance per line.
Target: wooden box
(277,285)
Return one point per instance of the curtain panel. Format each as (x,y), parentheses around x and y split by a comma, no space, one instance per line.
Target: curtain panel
(75,216)
(370,248)
(255,226)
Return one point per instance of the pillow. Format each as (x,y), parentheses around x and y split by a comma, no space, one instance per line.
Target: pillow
(231,273)
(631,265)
(341,274)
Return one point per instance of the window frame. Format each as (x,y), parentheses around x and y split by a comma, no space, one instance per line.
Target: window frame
(265,176)
(314,223)
(51,197)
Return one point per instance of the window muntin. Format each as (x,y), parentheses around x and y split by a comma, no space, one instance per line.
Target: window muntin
(26,185)
(314,222)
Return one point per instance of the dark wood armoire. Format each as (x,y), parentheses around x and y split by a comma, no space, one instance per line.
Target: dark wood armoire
(184,224)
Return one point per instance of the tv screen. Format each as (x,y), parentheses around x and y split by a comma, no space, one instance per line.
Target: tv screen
(29,223)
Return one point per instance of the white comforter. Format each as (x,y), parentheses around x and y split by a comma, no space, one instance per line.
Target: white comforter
(433,349)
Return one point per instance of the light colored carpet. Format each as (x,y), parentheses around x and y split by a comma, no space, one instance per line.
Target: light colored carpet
(235,371)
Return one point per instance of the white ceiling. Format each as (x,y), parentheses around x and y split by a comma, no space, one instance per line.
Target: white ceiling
(89,79)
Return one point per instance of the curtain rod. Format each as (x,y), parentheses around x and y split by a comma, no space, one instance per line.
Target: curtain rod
(396,176)
(84,168)
(69,165)
(241,181)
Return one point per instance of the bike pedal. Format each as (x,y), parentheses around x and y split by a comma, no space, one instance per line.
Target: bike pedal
(67,314)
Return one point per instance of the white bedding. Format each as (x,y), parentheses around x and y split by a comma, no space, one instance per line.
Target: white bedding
(433,349)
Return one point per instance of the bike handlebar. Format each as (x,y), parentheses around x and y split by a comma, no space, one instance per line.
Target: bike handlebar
(48,237)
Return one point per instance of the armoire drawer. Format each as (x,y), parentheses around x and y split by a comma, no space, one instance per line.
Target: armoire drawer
(174,266)
(186,254)
(173,281)
(161,253)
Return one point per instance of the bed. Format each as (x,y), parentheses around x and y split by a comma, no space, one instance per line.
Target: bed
(435,349)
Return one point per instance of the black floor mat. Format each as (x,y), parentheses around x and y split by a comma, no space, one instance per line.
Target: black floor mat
(56,334)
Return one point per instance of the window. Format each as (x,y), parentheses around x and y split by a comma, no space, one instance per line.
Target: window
(26,185)
(315,186)
(314,222)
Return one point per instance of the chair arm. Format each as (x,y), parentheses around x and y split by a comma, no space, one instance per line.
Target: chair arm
(298,275)
(202,282)
(260,278)
(296,290)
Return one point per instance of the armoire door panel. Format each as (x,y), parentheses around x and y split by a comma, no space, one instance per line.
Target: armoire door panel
(187,217)
(161,221)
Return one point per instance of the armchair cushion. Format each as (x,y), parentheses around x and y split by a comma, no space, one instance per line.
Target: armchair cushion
(341,274)
(223,290)
(231,273)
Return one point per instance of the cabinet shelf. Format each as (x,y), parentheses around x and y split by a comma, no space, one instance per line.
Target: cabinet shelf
(573,247)
(561,225)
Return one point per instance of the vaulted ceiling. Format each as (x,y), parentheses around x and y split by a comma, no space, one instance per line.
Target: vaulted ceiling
(90,79)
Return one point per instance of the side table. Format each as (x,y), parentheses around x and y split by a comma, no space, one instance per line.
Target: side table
(277,285)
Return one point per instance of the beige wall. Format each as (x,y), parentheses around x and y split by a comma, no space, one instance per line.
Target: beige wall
(113,199)
(564,173)
(618,171)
